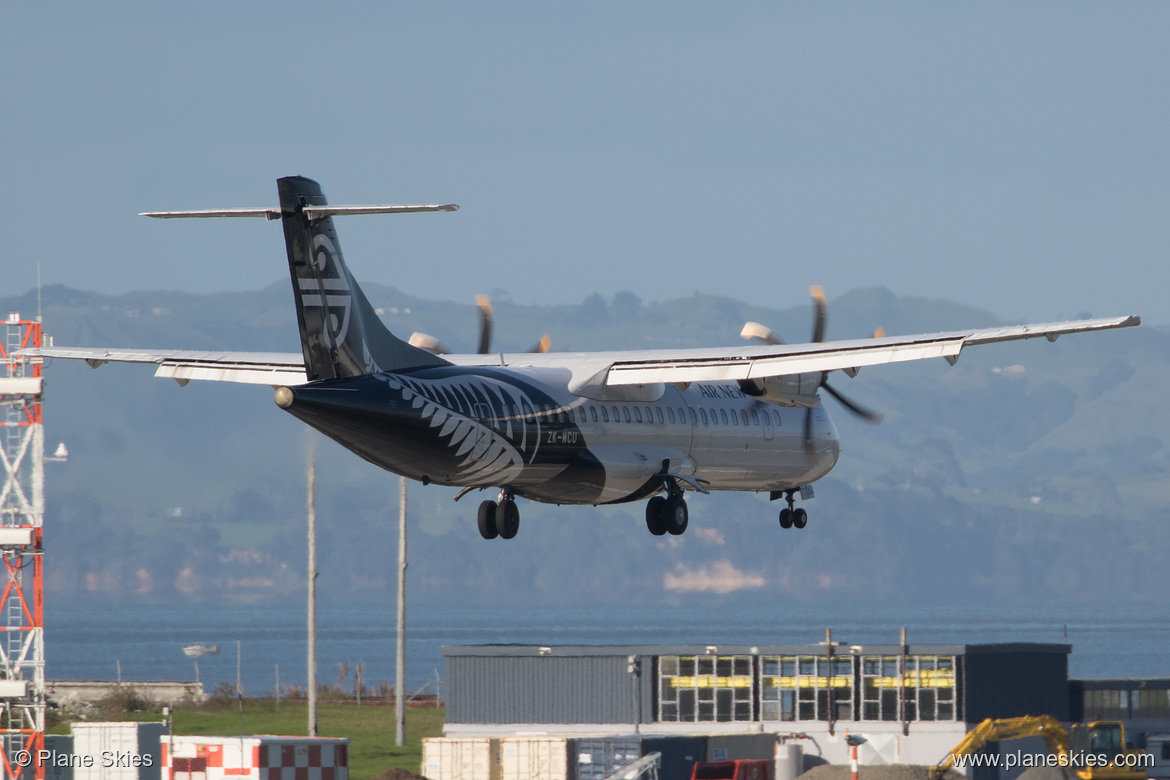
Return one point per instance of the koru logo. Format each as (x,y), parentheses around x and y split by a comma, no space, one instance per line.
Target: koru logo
(330,293)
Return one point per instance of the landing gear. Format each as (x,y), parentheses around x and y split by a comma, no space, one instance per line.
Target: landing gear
(675,513)
(654,515)
(500,519)
(507,518)
(792,518)
(667,514)
(487,520)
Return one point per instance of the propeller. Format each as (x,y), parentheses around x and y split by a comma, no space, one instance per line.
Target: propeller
(754,330)
(486,320)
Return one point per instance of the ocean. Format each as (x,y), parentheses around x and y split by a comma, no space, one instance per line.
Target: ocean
(91,643)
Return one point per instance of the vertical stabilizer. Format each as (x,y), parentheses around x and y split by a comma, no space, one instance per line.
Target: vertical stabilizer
(341,335)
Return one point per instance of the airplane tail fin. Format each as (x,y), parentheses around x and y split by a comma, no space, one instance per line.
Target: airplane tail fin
(341,334)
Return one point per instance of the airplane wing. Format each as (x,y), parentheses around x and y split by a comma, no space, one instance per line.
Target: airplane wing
(257,368)
(614,369)
(787,359)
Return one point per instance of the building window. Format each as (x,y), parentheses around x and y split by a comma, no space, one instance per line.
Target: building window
(928,688)
(705,688)
(806,687)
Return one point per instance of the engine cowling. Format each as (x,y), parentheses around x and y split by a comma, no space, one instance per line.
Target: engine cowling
(796,390)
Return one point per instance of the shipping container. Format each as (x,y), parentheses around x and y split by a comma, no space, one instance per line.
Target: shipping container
(597,757)
(117,751)
(461,758)
(679,754)
(255,758)
(60,763)
(734,747)
(535,758)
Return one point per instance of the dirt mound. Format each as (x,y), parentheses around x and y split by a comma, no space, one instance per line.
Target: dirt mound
(1048,773)
(398,774)
(883,772)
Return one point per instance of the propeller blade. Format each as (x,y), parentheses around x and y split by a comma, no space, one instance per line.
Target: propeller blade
(868,415)
(485,323)
(879,333)
(428,342)
(755,330)
(542,346)
(821,313)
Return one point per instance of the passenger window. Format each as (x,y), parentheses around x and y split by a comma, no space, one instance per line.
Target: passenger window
(593,413)
(626,413)
(604,414)
(776,417)
(670,415)
(581,414)
(714,417)
(616,417)
(743,414)
(694,419)
(734,418)
(723,416)
(703,414)
(649,415)
(755,417)
(637,414)
(659,410)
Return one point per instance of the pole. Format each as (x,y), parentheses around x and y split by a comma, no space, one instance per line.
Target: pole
(312,507)
(400,666)
(853,762)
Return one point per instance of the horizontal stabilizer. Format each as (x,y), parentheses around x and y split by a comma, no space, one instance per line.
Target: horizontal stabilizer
(311,212)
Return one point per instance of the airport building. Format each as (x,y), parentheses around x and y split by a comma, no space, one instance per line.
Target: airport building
(906,704)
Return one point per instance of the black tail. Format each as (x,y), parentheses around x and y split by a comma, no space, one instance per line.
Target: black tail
(341,335)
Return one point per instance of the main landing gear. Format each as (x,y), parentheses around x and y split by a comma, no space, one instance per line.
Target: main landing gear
(667,514)
(792,518)
(500,519)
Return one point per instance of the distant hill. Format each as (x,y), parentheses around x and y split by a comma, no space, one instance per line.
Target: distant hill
(1028,472)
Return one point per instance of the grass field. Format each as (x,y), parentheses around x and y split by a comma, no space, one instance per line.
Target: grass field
(369,729)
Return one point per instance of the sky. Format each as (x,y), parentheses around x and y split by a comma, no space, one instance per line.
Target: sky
(1008,156)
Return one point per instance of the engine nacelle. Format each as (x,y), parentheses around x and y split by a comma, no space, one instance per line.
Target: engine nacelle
(798,390)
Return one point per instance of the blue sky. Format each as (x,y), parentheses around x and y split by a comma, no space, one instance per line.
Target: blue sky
(1003,155)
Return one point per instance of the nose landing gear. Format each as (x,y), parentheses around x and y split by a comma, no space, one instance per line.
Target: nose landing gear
(792,518)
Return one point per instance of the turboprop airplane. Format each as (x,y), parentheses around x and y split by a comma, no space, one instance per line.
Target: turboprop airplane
(581,428)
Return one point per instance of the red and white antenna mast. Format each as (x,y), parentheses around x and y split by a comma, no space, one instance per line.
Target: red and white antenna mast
(22,510)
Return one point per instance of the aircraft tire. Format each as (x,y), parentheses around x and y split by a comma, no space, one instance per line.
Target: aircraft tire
(508,519)
(487,520)
(676,515)
(799,518)
(655,516)
(785,518)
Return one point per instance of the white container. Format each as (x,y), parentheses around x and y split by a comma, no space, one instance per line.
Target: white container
(120,750)
(461,758)
(534,758)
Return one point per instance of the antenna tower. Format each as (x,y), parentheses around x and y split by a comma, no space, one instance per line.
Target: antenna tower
(22,509)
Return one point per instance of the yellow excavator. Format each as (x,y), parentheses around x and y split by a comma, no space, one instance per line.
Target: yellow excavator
(1095,751)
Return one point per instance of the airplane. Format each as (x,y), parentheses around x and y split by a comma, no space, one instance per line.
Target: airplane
(559,428)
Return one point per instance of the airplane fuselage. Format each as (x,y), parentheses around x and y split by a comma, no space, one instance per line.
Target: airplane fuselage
(522,429)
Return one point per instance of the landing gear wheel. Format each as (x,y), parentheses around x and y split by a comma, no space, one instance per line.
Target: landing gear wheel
(655,515)
(507,519)
(675,515)
(487,520)
(799,518)
(785,518)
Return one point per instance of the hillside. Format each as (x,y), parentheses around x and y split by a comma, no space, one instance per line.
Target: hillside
(1028,472)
